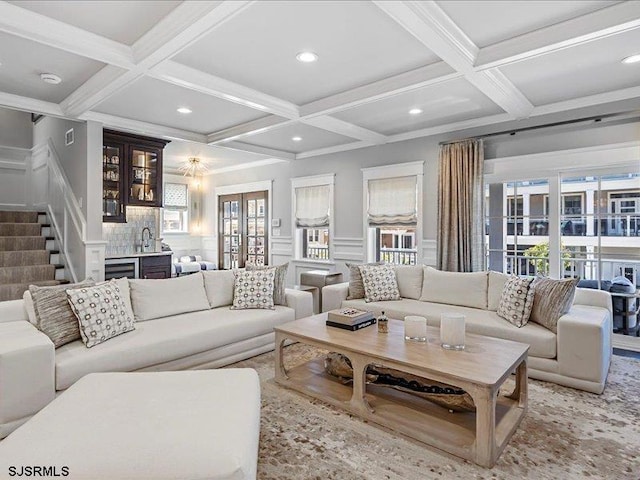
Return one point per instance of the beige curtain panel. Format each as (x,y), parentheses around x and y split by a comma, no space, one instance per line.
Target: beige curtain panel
(312,206)
(461,207)
(393,202)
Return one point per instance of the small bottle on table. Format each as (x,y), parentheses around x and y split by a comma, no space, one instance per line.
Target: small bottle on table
(383,323)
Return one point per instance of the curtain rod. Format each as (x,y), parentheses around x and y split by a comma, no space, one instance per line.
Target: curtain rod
(513,131)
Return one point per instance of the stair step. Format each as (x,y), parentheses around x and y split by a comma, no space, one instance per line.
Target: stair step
(14,291)
(32,273)
(21,258)
(19,217)
(22,243)
(20,229)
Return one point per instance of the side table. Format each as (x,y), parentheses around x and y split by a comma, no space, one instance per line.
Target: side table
(319,279)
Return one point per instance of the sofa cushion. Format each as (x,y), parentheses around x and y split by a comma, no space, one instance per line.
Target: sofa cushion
(172,296)
(496,284)
(410,281)
(379,283)
(254,289)
(517,300)
(552,299)
(166,339)
(279,297)
(219,287)
(101,311)
(356,287)
(481,322)
(455,288)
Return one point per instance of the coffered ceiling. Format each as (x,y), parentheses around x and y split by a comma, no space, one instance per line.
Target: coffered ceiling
(455,64)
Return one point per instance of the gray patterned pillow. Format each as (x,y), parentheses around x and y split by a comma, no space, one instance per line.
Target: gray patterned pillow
(356,288)
(101,311)
(254,289)
(54,316)
(516,300)
(552,299)
(279,295)
(379,282)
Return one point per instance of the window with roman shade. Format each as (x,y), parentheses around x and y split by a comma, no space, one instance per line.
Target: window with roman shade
(175,214)
(392,202)
(312,217)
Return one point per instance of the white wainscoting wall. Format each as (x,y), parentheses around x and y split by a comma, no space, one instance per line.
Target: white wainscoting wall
(14,174)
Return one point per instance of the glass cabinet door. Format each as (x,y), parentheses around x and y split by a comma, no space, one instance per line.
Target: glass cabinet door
(144,185)
(112,182)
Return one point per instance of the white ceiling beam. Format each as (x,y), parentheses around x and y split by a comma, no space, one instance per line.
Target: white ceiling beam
(269,152)
(427,22)
(588,101)
(597,25)
(245,166)
(347,129)
(253,127)
(27,104)
(144,128)
(405,82)
(53,33)
(187,23)
(187,77)
(334,149)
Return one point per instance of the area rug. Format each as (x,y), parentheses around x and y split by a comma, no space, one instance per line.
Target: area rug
(567,434)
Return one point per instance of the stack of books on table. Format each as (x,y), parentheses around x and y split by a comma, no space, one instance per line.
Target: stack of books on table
(350,319)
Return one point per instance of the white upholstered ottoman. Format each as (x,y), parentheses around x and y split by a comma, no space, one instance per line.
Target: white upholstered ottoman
(165,425)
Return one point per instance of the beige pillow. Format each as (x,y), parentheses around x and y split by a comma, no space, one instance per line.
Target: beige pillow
(54,316)
(455,288)
(101,311)
(497,281)
(356,288)
(516,301)
(219,287)
(171,296)
(552,299)
(279,296)
(410,281)
(379,282)
(254,289)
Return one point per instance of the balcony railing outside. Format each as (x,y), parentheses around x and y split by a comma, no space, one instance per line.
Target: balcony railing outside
(611,225)
(317,252)
(399,256)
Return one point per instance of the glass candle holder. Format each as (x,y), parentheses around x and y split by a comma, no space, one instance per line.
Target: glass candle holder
(415,328)
(452,331)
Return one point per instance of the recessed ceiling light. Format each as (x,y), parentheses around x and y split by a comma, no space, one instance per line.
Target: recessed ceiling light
(50,78)
(184,110)
(296,139)
(632,59)
(415,111)
(307,57)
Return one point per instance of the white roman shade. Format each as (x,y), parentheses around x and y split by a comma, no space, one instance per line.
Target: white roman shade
(312,206)
(175,196)
(393,202)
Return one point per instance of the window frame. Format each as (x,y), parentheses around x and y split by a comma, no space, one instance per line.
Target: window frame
(297,233)
(186,212)
(409,169)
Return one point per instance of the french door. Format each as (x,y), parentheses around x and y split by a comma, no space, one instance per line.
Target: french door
(242,230)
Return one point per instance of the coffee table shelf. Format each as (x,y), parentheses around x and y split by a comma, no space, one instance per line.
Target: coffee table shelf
(477,436)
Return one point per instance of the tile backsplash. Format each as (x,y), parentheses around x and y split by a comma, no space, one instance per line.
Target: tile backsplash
(125,238)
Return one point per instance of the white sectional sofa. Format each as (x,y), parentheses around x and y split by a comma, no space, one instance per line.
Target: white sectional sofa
(181,323)
(577,356)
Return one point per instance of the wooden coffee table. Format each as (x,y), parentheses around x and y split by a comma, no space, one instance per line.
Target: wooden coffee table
(480,369)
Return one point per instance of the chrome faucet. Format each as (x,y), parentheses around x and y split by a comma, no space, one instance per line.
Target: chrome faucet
(146,243)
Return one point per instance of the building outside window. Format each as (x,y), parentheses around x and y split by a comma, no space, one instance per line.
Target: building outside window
(593,232)
(175,214)
(312,199)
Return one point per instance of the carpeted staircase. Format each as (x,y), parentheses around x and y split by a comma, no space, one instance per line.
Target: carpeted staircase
(27,256)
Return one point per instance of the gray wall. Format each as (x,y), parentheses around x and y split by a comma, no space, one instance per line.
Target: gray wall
(16,129)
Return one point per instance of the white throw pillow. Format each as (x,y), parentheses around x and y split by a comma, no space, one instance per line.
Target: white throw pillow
(455,288)
(517,300)
(379,282)
(496,285)
(101,312)
(219,287)
(254,289)
(172,296)
(410,281)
